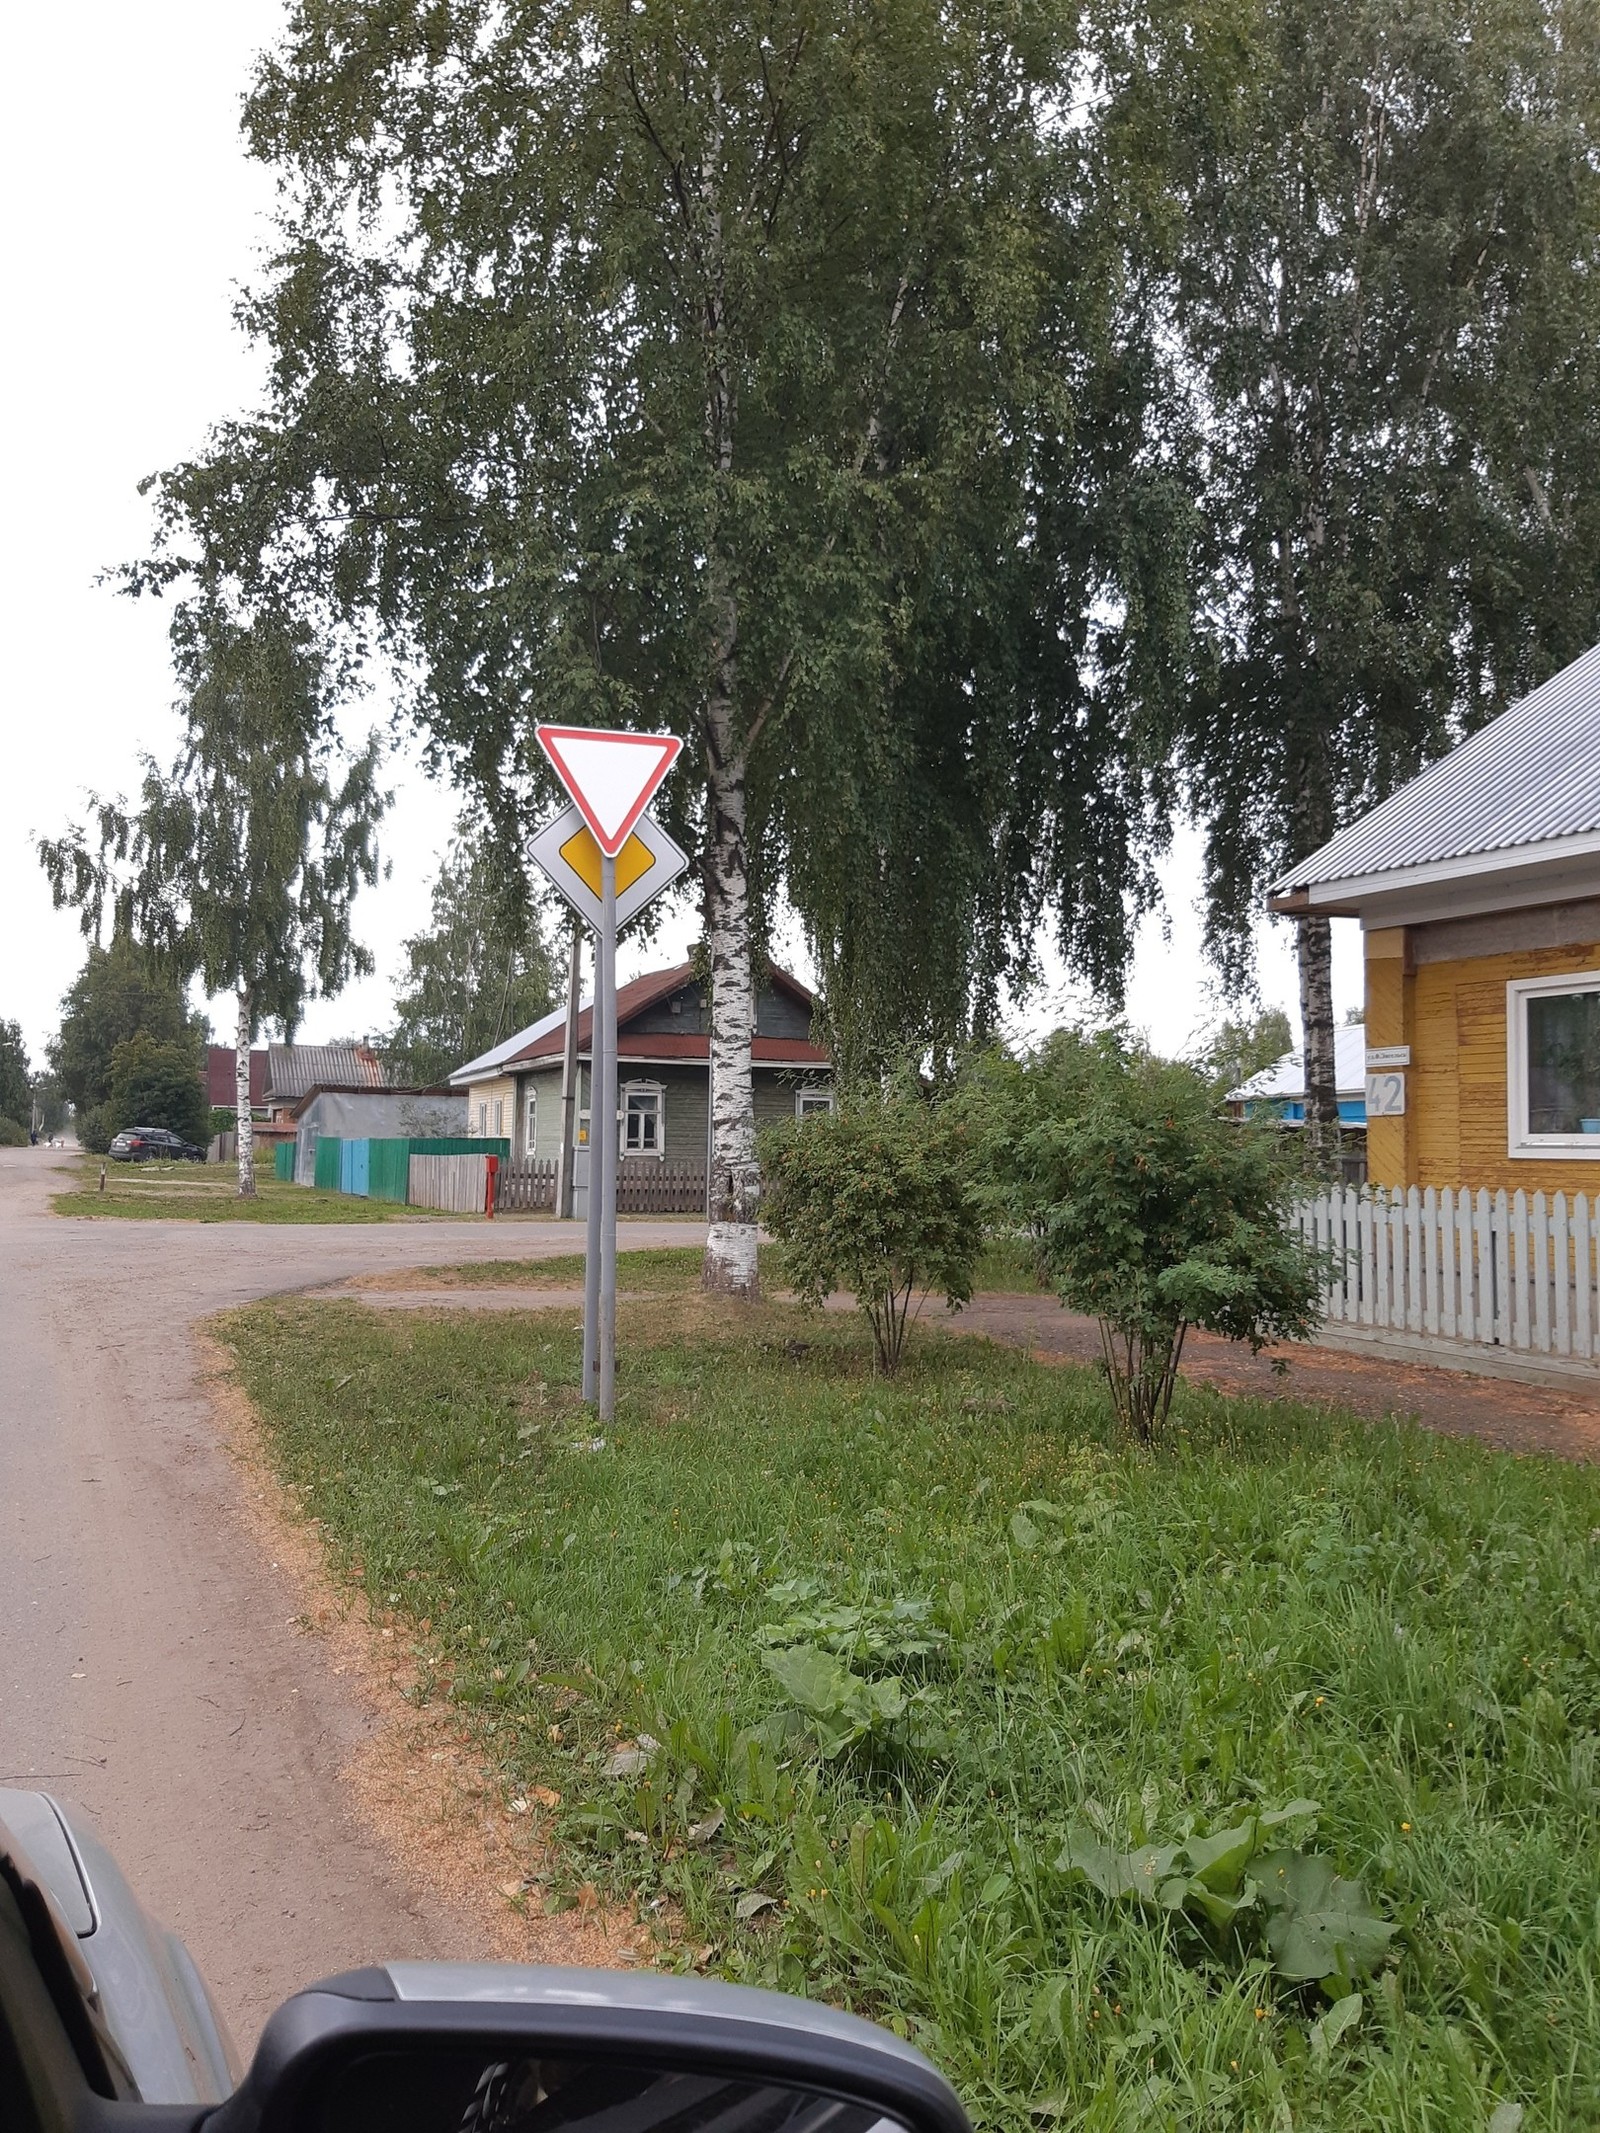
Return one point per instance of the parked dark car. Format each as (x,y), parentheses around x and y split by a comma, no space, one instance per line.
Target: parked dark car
(153,1144)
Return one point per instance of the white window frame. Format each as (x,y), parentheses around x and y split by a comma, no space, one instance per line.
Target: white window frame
(1521,1145)
(499,1133)
(812,1099)
(483,1121)
(530,1122)
(642,1088)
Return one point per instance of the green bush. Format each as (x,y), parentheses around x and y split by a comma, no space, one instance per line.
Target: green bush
(95,1128)
(1161,1214)
(12,1134)
(874,1198)
(156,1083)
(223,1119)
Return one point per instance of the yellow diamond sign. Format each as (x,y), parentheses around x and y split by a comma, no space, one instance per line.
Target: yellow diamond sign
(582,854)
(566,850)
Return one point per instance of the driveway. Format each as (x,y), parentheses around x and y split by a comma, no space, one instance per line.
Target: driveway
(150,1663)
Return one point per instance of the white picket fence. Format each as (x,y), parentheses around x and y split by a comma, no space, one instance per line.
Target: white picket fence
(1475,1267)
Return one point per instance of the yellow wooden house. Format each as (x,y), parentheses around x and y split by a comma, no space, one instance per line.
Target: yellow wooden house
(1477,887)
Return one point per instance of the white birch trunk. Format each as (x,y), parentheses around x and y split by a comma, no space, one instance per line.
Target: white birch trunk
(735,1182)
(243,1125)
(733,1186)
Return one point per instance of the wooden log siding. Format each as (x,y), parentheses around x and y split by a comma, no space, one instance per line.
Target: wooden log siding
(1477,1268)
(455,1184)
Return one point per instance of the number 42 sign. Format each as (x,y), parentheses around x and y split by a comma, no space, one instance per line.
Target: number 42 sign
(1386,1095)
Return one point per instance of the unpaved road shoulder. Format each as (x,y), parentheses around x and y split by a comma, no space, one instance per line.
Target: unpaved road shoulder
(153,1661)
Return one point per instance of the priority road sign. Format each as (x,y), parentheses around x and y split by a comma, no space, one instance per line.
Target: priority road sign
(610,777)
(608,858)
(565,849)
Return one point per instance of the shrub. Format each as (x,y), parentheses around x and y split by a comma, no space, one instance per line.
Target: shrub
(1003,1101)
(874,1198)
(95,1128)
(155,1083)
(12,1134)
(1164,1215)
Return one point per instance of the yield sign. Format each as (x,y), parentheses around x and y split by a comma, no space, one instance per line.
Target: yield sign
(610,776)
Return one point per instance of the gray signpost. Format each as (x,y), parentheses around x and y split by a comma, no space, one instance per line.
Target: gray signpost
(608,858)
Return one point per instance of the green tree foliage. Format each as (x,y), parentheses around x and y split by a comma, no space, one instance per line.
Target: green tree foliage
(1237,1050)
(241,861)
(124,989)
(480,972)
(49,1102)
(1165,1215)
(764,375)
(1003,1099)
(15,1092)
(875,1198)
(158,1084)
(1381,230)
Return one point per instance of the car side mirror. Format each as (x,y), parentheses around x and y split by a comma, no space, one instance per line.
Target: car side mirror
(489,2048)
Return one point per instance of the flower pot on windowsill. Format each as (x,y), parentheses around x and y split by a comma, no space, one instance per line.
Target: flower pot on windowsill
(1589,1125)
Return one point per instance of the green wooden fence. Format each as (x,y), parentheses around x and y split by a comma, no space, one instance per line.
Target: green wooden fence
(386,1167)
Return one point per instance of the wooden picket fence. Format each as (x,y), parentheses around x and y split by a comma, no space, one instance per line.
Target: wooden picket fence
(644,1187)
(525,1187)
(1478,1268)
(648,1187)
(455,1184)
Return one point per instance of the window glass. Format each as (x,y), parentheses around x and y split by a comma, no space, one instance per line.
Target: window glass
(810,1100)
(641,1122)
(499,1118)
(533,1126)
(483,1121)
(1564,1062)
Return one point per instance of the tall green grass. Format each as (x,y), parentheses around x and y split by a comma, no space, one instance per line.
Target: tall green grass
(1281,1605)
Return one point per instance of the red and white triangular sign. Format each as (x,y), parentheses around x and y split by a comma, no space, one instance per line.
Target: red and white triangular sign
(611,777)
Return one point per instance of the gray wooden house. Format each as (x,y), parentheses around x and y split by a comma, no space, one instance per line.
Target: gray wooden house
(663,1071)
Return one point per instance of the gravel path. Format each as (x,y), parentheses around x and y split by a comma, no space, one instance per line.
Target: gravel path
(1513,1416)
(151,1662)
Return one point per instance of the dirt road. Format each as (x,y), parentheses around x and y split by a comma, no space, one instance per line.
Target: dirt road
(150,1663)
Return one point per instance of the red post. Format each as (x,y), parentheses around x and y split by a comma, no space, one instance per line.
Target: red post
(491,1181)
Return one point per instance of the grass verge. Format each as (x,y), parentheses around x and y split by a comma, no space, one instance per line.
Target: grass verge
(197,1192)
(1062,1651)
(1007,1265)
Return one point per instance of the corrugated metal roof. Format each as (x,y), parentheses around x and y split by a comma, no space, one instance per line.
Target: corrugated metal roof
(1287,1076)
(486,1063)
(1530,775)
(292,1069)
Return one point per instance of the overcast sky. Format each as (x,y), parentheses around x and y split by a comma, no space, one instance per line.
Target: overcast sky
(134,215)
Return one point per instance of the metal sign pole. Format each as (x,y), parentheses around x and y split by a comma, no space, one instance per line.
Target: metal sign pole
(591,1244)
(603,1115)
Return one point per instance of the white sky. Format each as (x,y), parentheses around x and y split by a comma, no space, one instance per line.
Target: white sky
(134,215)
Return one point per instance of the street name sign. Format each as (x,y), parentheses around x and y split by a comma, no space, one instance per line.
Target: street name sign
(566,851)
(610,778)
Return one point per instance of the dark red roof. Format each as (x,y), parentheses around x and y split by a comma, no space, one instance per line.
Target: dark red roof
(222,1088)
(640,993)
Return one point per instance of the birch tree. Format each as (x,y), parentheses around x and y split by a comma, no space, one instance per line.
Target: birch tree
(1385,282)
(241,862)
(687,365)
